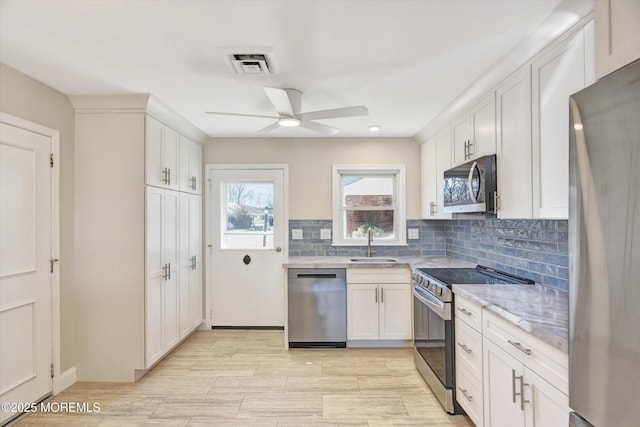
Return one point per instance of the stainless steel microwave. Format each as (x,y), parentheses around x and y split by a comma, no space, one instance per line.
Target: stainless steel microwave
(471,187)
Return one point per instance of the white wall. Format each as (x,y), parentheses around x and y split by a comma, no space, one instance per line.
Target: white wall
(24,97)
(310,161)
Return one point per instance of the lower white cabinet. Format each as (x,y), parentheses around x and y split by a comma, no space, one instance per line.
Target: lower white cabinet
(161,291)
(190,263)
(173,285)
(515,396)
(379,311)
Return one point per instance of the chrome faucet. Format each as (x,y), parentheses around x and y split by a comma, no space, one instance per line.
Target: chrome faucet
(369,240)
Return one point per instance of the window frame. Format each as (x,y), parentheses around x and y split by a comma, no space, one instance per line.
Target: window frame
(399,205)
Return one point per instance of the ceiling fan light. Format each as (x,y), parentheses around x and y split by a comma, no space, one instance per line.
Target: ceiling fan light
(289,122)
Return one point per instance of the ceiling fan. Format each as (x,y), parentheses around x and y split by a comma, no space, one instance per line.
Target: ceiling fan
(287,103)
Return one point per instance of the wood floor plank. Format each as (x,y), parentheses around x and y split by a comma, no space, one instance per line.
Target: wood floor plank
(247,378)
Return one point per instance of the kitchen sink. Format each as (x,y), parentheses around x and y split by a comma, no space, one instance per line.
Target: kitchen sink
(374,260)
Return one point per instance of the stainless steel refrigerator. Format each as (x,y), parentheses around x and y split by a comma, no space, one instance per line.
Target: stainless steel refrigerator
(604,251)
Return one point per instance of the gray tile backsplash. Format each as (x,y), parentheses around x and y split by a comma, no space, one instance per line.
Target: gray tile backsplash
(535,249)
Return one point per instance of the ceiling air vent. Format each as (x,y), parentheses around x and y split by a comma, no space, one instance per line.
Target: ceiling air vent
(250,61)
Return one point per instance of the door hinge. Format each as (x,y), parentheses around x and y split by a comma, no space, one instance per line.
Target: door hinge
(51,160)
(52,370)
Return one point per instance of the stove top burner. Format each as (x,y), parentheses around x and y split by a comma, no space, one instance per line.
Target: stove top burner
(480,275)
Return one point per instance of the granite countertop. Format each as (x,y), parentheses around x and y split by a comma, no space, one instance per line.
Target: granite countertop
(540,310)
(403,262)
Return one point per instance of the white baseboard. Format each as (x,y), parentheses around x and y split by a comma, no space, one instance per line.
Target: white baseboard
(64,380)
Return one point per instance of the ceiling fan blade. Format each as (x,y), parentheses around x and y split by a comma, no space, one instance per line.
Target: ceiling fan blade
(317,127)
(269,128)
(335,113)
(239,114)
(280,100)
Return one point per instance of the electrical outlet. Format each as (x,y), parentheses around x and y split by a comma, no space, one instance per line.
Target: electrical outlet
(414,233)
(296,234)
(325,233)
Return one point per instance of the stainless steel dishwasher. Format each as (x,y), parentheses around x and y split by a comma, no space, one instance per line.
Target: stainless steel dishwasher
(317,307)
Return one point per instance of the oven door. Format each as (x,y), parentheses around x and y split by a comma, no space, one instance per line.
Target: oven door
(433,338)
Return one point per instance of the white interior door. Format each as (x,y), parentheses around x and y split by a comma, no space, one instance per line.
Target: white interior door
(248,234)
(25,275)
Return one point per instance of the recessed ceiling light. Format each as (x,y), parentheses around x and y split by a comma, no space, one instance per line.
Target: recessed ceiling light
(374,128)
(577,126)
(289,122)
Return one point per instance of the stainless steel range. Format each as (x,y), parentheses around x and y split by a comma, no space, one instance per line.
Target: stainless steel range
(433,308)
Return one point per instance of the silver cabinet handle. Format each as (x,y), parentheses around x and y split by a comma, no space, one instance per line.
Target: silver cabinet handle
(164,272)
(376,295)
(193,262)
(515,377)
(465,348)
(465,312)
(382,295)
(496,201)
(169,179)
(165,175)
(432,208)
(169,271)
(465,394)
(193,182)
(520,347)
(469,148)
(466,148)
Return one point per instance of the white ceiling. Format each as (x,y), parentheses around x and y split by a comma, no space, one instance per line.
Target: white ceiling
(403,59)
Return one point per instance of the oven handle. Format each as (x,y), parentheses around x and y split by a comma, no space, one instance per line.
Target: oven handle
(443,310)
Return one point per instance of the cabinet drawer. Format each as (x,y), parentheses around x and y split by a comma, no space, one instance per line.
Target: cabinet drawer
(469,348)
(378,275)
(469,395)
(547,361)
(469,313)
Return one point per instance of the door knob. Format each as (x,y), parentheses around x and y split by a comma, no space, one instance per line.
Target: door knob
(278,249)
(246,259)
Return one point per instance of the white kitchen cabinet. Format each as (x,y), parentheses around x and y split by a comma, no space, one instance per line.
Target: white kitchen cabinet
(515,188)
(190,166)
(558,72)
(162,146)
(468,351)
(190,253)
(474,133)
(161,308)
(379,311)
(436,158)
(515,395)
(127,235)
(617,39)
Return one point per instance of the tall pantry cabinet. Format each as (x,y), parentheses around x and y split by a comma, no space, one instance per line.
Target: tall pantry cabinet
(138,214)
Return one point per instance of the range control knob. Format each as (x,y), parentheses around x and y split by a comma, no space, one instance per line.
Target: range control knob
(439,292)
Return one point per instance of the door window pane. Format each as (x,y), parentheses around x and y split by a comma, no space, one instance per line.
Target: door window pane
(247,215)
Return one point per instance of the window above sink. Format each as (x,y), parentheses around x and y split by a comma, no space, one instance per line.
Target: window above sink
(369,198)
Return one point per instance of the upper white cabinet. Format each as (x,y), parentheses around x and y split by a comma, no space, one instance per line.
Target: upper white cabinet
(474,133)
(617,37)
(379,304)
(190,166)
(161,152)
(559,72)
(515,198)
(436,158)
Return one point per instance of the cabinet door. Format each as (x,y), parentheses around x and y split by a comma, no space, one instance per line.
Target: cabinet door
(195,278)
(514,146)
(461,137)
(483,128)
(547,407)
(362,312)
(190,166)
(557,74)
(153,134)
(429,179)
(617,35)
(395,311)
(154,275)
(171,150)
(185,264)
(170,216)
(443,162)
(501,382)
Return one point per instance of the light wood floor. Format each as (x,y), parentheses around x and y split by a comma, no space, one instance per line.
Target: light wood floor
(247,378)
